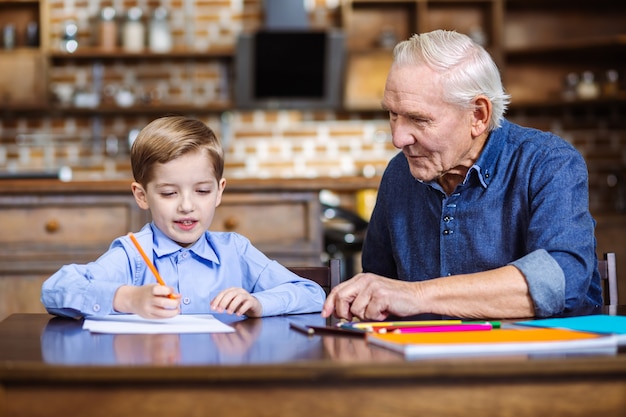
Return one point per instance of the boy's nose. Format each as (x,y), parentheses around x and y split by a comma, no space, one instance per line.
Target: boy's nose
(185,204)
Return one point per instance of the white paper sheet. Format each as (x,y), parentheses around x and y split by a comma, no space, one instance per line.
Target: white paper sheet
(134,324)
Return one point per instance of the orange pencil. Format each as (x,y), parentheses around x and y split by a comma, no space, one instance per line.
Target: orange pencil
(148,262)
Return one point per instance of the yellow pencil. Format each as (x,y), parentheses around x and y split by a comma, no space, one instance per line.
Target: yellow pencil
(375,324)
(148,262)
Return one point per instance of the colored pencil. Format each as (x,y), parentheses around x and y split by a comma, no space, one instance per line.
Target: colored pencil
(148,262)
(446,328)
(374,324)
(302,329)
(393,325)
(341,331)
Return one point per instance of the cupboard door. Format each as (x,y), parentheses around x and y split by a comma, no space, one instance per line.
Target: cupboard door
(285,226)
(42,233)
(20,294)
(22,78)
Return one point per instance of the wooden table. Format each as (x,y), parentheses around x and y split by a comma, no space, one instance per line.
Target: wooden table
(51,367)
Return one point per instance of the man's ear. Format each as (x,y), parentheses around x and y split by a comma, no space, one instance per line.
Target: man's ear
(481,115)
(140,195)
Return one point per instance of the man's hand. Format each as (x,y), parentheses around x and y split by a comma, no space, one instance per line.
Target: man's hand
(497,293)
(372,297)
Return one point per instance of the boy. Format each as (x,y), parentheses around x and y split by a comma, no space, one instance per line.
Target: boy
(178,164)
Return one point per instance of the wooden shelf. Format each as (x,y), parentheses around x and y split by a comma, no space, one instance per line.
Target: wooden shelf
(617,100)
(113,110)
(148,109)
(90,53)
(599,44)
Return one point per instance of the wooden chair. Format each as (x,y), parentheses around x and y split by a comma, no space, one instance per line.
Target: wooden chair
(608,273)
(327,276)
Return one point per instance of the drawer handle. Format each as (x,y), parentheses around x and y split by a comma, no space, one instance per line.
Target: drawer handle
(52,226)
(231,223)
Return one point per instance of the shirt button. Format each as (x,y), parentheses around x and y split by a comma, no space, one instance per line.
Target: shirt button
(186,300)
(447,219)
(96,307)
(447,232)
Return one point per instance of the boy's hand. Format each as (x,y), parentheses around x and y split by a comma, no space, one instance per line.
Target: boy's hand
(237,301)
(150,301)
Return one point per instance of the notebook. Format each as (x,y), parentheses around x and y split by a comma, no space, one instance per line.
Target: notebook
(600,323)
(530,341)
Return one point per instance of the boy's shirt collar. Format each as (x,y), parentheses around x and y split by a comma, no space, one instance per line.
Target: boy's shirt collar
(164,246)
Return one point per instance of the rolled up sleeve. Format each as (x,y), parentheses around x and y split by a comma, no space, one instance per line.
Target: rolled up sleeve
(546,282)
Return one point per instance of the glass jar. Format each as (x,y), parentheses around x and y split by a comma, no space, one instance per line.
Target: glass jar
(160,35)
(134,31)
(587,88)
(69,41)
(108,29)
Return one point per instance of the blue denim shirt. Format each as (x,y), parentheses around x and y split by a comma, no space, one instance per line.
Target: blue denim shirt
(215,262)
(523,203)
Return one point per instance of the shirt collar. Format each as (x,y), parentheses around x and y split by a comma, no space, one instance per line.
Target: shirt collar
(485,166)
(164,246)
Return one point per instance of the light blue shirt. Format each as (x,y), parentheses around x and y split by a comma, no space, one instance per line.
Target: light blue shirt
(525,203)
(215,262)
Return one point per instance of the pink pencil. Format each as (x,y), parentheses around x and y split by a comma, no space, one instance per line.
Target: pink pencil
(448,328)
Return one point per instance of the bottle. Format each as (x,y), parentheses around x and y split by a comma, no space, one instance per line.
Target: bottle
(160,35)
(32,34)
(611,83)
(108,29)
(8,36)
(587,87)
(134,31)
(570,85)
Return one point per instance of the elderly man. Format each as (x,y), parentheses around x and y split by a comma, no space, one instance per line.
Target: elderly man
(477,217)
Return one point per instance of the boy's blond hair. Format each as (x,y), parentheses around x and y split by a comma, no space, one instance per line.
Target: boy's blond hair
(171,137)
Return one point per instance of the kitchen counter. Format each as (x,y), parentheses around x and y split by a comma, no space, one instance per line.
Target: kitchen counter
(48,223)
(341,184)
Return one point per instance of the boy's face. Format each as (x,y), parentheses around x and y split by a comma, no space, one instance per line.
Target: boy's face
(182,197)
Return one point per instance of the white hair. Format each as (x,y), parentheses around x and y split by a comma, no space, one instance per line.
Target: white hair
(466,68)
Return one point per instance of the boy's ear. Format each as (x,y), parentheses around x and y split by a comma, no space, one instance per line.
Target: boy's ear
(140,195)
(220,189)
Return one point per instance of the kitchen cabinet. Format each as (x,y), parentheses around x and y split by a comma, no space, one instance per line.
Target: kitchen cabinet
(48,223)
(374,27)
(543,42)
(285,225)
(22,59)
(536,44)
(92,81)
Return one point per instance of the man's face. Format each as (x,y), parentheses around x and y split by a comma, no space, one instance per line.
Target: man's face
(435,136)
